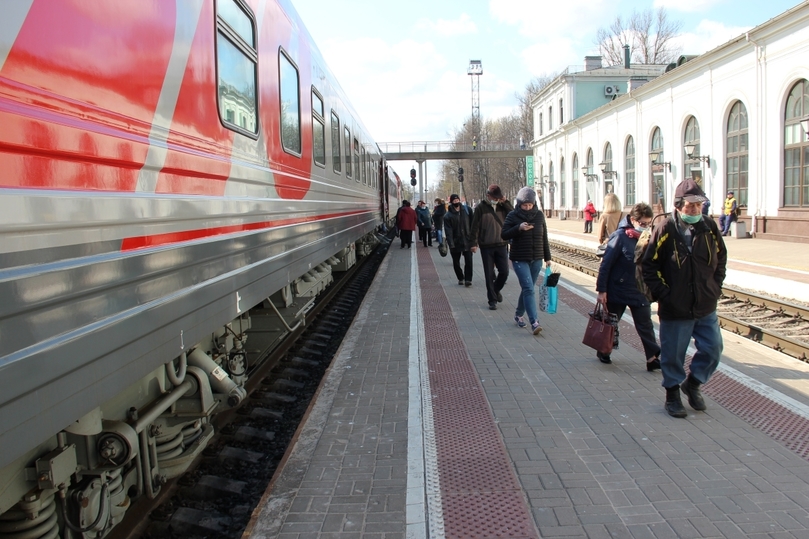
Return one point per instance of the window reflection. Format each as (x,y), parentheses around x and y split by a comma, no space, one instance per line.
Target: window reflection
(237,86)
(290,106)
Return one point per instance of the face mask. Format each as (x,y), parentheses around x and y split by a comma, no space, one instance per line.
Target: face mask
(456,204)
(641,229)
(690,219)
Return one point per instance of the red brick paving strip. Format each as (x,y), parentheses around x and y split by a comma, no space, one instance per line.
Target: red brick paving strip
(480,493)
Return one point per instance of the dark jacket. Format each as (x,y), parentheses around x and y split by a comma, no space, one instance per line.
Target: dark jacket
(616,275)
(487,225)
(424,217)
(406,218)
(457,228)
(438,216)
(686,284)
(527,245)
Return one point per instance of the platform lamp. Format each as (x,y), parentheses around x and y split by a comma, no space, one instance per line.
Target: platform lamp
(587,175)
(689,151)
(654,155)
(606,172)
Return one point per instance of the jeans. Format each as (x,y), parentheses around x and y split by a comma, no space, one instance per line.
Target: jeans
(724,223)
(494,257)
(439,236)
(527,273)
(466,273)
(675,335)
(642,316)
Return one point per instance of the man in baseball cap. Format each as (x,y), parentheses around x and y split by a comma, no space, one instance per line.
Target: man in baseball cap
(684,267)
(487,223)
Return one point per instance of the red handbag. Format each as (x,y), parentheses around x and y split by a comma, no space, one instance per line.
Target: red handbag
(599,333)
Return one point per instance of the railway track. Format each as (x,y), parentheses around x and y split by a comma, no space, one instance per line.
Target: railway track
(215,498)
(780,325)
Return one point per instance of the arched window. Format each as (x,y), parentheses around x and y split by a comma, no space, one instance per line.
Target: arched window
(606,168)
(551,185)
(692,168)
(562,186)
(657,186)
(590,189)
(574,173)
(737,157)
(796,147)
(629,172)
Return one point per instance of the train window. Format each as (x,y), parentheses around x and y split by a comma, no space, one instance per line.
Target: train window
(335,143)
(363,167)
(290,105)
(318,130)
(236,61)
(347,140)
(357,158)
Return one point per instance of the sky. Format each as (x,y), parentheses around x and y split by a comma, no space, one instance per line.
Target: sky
(403,64)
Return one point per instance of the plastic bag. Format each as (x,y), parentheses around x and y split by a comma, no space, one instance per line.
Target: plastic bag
(548,295)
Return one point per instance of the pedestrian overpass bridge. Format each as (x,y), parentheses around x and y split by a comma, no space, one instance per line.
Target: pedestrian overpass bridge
(425,151)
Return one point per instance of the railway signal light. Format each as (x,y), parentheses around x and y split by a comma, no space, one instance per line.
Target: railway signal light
(460,174)
(413,177)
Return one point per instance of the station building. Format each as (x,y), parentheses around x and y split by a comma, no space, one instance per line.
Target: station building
(735,118)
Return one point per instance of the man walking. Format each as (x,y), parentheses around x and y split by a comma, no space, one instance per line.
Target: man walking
(457,225)
(487,224)
(684,267)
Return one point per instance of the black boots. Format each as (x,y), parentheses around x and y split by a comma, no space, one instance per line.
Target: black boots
(674,406)
(691,389)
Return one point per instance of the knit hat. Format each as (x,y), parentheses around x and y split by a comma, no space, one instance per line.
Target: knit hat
(494,191)
(453,196)
(527,194)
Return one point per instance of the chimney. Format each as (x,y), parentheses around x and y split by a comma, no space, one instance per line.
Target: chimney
(626,56)
(592,62)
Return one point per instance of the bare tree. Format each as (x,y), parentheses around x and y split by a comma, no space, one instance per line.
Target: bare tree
(649,34)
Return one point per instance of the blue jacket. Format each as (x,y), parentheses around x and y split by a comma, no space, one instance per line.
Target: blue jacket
(616,275)
(425,221)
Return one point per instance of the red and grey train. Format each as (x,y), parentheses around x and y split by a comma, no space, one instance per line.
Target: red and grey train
(165,167)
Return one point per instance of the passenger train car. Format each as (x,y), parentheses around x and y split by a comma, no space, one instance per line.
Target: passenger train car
(165,167)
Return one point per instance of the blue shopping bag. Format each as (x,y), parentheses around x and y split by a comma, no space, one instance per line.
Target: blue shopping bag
(548,295)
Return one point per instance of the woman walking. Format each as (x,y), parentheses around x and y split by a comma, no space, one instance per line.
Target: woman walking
(610,217)
(616,282)
(525,228)
(406,221)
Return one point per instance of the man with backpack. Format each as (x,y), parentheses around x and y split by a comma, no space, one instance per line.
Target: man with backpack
(684,267)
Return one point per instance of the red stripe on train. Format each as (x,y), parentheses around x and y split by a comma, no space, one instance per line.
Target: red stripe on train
(140,242)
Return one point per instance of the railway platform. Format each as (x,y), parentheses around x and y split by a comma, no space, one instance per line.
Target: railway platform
(440,418)
(774,267)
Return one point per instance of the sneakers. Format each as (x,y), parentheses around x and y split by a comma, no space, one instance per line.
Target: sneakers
(536,329)
(499,297)
(653,364)
(492,306)
(520,322)
(691,389)
(603,358)
(468,283)
(460,282)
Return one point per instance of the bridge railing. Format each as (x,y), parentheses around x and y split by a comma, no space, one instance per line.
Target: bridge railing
(447,146)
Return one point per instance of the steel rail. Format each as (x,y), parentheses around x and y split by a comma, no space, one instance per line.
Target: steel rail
(754,332)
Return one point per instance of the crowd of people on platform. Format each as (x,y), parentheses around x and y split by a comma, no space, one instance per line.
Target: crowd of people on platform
(678,262)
